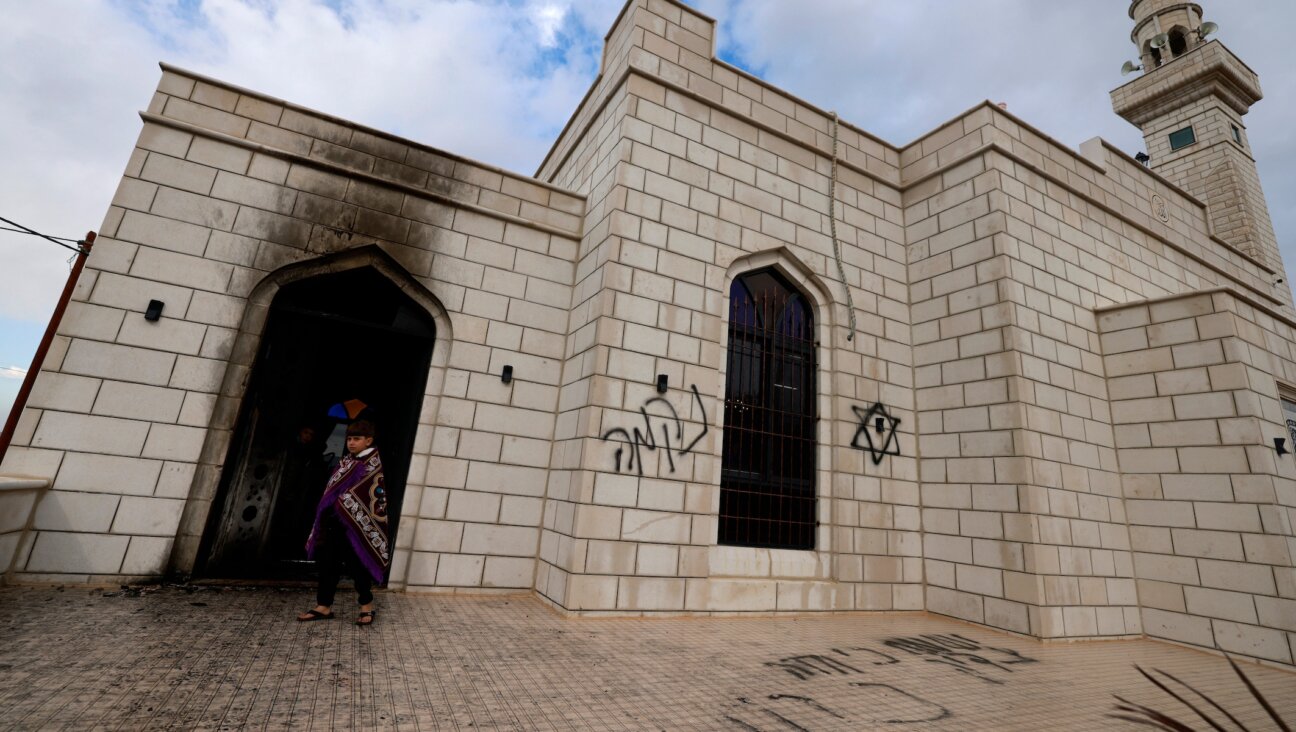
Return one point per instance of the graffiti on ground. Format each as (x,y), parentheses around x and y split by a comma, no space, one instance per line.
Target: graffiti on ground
(884,702)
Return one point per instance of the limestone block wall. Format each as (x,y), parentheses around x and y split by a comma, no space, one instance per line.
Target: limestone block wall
(1022,520)
(561,551)
(715,174)
(1194,383)
(19,498)
(132,420)
(1013,241)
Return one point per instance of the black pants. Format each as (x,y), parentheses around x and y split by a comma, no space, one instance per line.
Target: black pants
(336,557)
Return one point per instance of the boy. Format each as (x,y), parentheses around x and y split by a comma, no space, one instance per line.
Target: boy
(350,531)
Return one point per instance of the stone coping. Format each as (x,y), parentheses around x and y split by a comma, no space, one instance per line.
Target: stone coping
(1267,309)
(22,483)
(336,169)
(370,130)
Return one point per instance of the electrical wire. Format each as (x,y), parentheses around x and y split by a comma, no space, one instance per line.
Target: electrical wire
(58,240)
(832,219)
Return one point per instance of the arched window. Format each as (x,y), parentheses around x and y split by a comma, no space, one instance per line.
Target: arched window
(767,476)
(1178,42)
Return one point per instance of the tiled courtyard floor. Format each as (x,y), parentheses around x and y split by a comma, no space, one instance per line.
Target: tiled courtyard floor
(234,658)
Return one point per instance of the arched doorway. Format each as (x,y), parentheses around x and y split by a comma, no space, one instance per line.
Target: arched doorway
(336,347)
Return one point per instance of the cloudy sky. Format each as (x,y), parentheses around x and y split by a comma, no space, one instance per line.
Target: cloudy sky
(497,79)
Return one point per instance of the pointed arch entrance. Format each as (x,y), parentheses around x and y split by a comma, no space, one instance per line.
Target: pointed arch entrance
(337,345)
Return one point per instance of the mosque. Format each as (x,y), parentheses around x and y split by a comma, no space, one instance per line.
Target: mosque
(723,353)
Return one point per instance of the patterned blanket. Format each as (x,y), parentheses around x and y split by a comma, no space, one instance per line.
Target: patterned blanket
(357,497)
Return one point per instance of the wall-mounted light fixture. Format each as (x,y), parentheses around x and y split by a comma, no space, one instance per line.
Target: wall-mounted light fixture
(662,382)
(1280,444)
(154,311)
(507,375)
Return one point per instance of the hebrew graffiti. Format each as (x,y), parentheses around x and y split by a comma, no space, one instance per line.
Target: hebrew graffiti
(802,713)
(955,651)
(803,667)
(901,707)
(665,416)
(877,428)
(886,703)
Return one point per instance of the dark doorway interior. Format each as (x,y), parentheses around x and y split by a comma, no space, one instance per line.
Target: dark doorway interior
(329,340)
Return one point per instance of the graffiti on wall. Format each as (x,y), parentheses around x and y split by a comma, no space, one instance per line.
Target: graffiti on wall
(657,412)
(876,433)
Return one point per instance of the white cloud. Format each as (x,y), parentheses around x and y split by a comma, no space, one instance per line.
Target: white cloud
(12,372)
(496,80)
(548,19)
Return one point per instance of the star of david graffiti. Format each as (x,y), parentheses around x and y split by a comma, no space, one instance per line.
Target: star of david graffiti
(877,429)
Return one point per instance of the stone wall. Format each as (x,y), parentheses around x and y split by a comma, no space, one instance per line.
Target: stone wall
(1210,503)
(19,498)
(1014,241)
(714,173)
(131,420)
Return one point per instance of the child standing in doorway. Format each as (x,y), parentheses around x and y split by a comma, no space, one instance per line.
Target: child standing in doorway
(350,531)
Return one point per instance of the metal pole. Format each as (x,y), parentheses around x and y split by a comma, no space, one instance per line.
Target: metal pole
(11,424)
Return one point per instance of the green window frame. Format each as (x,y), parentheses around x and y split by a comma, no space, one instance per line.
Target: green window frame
(1182,138)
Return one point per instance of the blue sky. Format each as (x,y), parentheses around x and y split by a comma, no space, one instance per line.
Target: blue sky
(496,79)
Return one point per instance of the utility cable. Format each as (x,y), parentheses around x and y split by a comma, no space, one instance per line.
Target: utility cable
(832,223)
(58,240)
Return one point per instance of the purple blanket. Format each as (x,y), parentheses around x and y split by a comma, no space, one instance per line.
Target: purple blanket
(356,496)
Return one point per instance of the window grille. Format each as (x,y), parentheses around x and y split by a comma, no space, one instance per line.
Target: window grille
(767,476)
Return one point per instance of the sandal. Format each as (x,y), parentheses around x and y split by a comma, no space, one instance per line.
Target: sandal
(366,617)
(314,615)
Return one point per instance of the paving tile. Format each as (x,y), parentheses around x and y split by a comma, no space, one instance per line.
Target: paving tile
(234,658)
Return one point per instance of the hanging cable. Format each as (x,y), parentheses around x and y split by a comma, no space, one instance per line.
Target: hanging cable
(76,246)
(832,223)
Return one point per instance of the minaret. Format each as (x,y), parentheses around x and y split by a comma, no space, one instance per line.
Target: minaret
(1189,102)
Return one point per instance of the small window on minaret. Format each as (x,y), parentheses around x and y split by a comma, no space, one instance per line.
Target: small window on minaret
(1183,138)
(1237,135)
(1178,42)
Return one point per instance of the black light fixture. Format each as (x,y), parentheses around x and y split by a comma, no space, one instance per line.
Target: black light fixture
(507,375)
(1280,444)
(661,383)
(154,311)
(1143,158)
